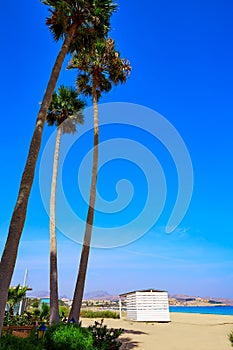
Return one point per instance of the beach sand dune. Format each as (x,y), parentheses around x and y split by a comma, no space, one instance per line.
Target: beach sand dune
(184,332)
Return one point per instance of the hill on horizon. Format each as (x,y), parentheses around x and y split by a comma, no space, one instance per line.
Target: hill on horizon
(99,295)
(103,295)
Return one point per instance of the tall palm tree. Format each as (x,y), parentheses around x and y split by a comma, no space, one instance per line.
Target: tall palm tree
(100,66)
(69,20)
(64,112)
(15,295)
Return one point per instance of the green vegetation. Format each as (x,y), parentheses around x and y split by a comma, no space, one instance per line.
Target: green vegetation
(68,337)
(26,319)
(33,303)
(45,313)
(99,314)
(10,342)
(64,312)
(104,338)
(15,295)
(38,316)
(231,338)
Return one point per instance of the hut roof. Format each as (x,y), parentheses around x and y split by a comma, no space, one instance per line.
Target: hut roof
(143,290)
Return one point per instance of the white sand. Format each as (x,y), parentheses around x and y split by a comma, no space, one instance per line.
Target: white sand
(184,332)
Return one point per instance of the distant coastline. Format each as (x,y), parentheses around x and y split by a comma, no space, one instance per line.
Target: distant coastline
(102,299)
(185,300)
(202,305)
(210,309)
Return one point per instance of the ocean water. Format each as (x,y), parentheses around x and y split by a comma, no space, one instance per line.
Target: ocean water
(215,310)
(45,300)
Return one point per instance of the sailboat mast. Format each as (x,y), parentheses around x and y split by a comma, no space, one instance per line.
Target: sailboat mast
(24,285)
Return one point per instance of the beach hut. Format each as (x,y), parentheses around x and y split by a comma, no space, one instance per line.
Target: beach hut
(146,305)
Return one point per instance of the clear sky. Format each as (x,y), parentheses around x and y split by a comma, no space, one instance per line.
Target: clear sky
(182,55)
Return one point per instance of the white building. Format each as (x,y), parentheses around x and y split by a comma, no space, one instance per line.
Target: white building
(146,305)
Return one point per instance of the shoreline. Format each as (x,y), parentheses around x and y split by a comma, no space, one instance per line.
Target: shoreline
(224,310)
(222,305)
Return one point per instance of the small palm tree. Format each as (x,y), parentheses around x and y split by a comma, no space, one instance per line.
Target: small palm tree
(44,313)
(15,295)
(69,20)
(64,112)
(100,67)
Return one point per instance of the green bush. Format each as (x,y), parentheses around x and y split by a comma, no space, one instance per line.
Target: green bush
(64,312)
(99,314)
(45,312)
(231,338)
(104,338)
(11,342)
(68,337)
(25,319)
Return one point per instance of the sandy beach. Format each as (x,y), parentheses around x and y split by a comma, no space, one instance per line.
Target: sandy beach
(184,332)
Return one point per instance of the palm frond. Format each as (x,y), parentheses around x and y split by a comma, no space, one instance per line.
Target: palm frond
(99,64)
(65,105)
(93,15)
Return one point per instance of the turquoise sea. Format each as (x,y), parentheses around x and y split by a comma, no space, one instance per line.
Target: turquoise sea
(45,301)
(216,310)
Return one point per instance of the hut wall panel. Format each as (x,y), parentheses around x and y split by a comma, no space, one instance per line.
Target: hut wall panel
(148,306)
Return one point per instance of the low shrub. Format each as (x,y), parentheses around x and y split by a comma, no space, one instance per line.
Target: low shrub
(99,314)
(25,319)
(231,338)
(44,313)
(64,312)
(11,342)
(104,338)
(68,337)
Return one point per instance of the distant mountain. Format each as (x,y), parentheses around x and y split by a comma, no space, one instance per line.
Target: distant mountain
(95,295)
(226,301)
(99,295)
(181,296)
(42,294)
(38,294)
(103,295)
(64,296)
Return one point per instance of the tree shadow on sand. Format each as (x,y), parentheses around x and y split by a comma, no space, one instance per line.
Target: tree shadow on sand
(131,331)
(128,343)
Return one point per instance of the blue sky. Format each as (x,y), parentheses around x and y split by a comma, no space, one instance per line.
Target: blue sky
(182,54)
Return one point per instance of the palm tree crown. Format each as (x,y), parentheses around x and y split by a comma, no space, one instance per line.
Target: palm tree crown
(15,295)
(92,15)
(65,107)
(100,66)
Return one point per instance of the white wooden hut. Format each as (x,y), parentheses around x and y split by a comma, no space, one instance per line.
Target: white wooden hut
(146,305)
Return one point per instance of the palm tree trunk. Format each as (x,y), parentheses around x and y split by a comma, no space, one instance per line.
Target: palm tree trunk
(11,311)
(79,288)
(9,255)
(54,309)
